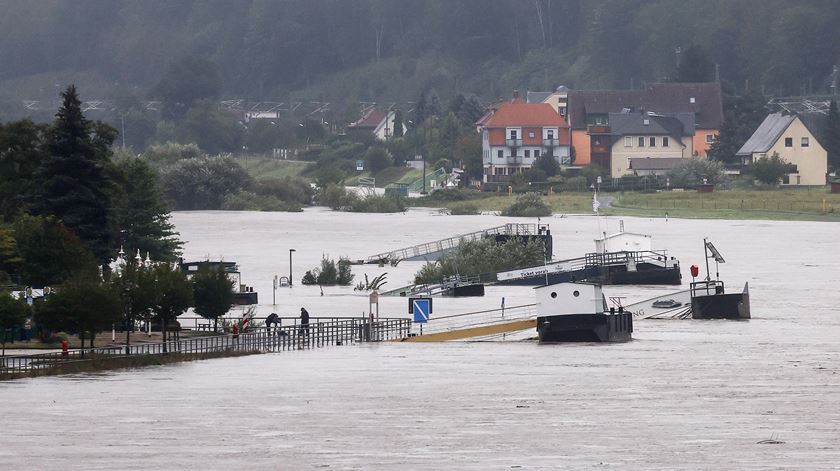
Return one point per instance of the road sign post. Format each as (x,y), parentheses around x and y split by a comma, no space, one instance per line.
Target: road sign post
(421,308)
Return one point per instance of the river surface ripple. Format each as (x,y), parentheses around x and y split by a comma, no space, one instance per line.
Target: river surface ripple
(682,395)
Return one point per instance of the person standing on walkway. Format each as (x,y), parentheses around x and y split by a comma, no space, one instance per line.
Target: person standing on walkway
(304,322)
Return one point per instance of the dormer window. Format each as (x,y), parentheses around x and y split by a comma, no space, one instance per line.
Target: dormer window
(513,134)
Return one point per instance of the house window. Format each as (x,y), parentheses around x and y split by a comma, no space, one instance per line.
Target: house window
(641,141)
(550,134)
(665,141)
(692,100)
(513,134)
(805,142)
(527,152)
(530,135)
(536,153)
(710,138)
(500,154)
(653,142)
(788,142)
(628,141)
(562,110)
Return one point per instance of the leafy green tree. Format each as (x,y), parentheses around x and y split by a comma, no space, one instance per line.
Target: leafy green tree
(263,135)
(377,159)
(468,152)
(47,252)
(484,257)
(202,183)
(185,83)
(171,152)
(548,164)
(13,312)
(83,305)
(771,170)
(832,136)
(528,205)
(742,114)
(173,295)
(74,183)
(21,153)
(135,284)
(141,213)
(215,131)
(468,110)
(213,293)
(329,273)
(692,172)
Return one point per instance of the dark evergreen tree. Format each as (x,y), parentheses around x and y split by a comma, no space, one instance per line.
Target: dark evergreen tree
(398,123)
(141,213)
(46,252)
(741,117)
(832,136)
(548,164)
(13,312)
(21,153)
(75,185)
(695,66)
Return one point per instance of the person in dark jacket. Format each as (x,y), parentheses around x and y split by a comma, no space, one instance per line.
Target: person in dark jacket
(304,322)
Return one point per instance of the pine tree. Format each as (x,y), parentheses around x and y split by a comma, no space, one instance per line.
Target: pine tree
(74,182)
(832,136)
(398,123)
(141,213)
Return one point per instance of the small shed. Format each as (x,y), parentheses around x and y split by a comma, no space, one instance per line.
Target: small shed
(624,241)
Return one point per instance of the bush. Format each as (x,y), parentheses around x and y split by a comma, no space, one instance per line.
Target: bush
(378,204)
(337,197)
(575,184)
(248,201)
(465,209)
(289,189)
(330,273)
(203,183)
(483,257)
(771,170)
(692,172)
(528,205)
(377,159)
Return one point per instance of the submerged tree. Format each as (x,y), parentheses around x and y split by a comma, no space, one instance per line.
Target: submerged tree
(173,295)
(84,305)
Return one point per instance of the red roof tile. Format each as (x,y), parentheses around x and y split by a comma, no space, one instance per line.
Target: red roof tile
(371,119)
(519,113)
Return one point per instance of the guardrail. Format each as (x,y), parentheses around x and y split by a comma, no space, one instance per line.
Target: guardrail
(316,334)
(452,242)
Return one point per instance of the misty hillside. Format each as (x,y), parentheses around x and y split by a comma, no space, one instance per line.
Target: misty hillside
(391,50)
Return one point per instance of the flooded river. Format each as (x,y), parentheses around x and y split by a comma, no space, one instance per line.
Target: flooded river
(760,394)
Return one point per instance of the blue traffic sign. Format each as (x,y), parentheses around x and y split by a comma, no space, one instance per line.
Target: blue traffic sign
(421,308)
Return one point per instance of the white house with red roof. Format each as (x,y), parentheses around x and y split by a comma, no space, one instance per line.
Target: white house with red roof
(515,134)
(377,121)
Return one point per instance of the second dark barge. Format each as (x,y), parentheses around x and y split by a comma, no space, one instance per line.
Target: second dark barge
(577,312)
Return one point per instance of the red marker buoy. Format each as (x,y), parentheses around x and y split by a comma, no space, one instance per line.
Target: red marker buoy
(695,270)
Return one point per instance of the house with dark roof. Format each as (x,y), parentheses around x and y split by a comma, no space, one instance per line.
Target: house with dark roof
(516,133)
(377,121)
(790,138)
(589,112)
(648,143)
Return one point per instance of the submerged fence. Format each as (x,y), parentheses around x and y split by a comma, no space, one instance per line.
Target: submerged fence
(317,334)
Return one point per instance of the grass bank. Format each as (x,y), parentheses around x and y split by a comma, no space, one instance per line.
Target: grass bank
(261,167)
(807,204)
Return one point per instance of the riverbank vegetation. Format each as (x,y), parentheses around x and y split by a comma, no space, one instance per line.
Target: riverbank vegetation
(330,273)
(484,257)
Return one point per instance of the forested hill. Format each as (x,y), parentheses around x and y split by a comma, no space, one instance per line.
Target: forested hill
(392,49)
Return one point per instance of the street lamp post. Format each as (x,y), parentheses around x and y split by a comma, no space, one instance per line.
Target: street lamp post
(290,266)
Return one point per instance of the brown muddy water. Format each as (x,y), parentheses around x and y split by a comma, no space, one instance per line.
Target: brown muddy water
(760,394)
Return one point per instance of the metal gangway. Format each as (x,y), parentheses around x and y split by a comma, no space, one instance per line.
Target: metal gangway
(491,324)
(320,332)
(450,243)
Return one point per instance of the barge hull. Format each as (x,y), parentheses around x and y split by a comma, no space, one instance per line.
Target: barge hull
(585,328)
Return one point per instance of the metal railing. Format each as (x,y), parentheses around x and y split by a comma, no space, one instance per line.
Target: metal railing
(452,242)
(318,333)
